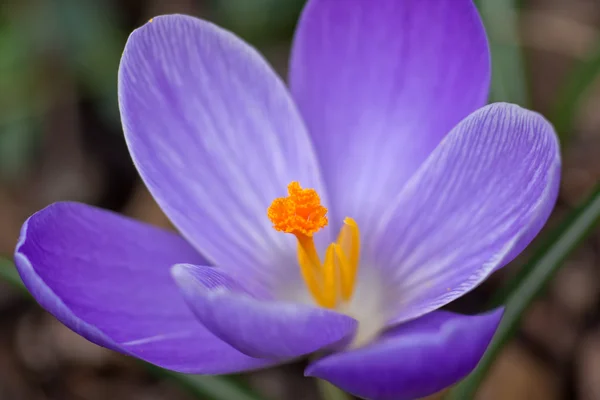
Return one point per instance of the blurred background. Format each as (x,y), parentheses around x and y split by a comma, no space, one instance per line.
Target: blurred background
(61,139)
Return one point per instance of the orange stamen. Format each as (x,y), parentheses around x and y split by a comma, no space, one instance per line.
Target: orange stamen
(301,214)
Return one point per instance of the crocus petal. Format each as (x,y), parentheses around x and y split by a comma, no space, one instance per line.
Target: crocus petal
(258,327)
(414,360)
(216,137)
(107,278)
(476,202)
(379,86)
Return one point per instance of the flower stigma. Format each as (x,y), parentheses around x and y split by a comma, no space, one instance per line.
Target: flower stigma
(331,282)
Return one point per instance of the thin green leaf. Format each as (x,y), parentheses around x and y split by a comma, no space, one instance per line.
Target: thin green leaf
(540,270)
(207,387)
(330,392)
(509,81)
(202,387)
(577,86)
(9,274)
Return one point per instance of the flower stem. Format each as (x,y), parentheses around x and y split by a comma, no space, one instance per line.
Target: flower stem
(330,392)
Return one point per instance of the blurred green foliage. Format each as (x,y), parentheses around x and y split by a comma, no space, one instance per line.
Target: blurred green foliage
(509,72)
(44,43)
(259,21)
(574,90)
(21,97)
(93,43)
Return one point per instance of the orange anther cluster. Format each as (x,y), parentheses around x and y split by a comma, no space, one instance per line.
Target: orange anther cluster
(300,213)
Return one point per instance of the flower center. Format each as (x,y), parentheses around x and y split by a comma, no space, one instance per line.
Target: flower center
(331,282)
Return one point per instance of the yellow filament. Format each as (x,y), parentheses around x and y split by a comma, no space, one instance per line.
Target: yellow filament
(333,281)
(349,243)
(330,278)
(310,267)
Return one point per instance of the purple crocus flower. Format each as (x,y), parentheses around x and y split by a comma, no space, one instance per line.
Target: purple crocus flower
(384,125)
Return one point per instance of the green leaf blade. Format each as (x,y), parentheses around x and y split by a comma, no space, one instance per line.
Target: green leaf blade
(522,292)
